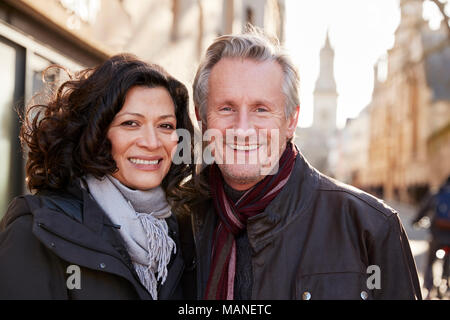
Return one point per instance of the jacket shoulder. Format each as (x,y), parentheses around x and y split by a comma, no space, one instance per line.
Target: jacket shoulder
(17,207)
(356,196)
(18,231)
(62,202)
(26,266)
(16,227)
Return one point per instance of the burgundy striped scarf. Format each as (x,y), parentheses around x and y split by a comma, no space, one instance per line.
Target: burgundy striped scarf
(233,219)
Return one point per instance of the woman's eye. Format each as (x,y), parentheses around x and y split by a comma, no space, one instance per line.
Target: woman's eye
(168,126)
(130,123)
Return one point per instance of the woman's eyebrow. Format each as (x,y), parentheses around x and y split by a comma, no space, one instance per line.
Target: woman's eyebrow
(167,116)
(164,116)
(131,113)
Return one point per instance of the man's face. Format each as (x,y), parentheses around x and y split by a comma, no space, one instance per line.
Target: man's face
(246,105)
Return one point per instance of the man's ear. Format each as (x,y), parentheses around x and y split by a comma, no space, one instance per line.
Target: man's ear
(292,123)
(200,121)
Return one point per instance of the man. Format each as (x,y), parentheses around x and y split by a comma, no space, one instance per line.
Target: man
(274,227)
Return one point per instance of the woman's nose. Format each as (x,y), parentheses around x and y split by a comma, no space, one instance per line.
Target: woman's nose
(149,139)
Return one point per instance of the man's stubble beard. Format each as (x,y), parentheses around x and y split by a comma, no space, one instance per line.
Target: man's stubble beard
(246,174)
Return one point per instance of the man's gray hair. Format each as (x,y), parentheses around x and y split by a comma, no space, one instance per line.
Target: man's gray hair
(254,45)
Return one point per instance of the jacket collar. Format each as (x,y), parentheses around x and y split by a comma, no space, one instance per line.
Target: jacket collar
(94,216)
(84,228)
(293,200)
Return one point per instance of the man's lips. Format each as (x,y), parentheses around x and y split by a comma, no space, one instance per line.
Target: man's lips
(238,147)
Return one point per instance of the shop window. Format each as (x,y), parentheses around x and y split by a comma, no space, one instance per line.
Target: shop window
(12,75)
(45,80)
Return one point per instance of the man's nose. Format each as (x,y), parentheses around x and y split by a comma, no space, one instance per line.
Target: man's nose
(149,139)
(243,131)
(244,122)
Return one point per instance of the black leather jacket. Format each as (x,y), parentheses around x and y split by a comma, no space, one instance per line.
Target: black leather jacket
(316,240)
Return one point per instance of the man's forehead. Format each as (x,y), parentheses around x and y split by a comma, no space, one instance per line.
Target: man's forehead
(231,64)
(233,75)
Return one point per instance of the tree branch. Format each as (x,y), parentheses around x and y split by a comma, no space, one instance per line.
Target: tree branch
(441,7)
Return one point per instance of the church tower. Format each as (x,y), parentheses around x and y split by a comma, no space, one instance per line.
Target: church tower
(411,22)
(325,95)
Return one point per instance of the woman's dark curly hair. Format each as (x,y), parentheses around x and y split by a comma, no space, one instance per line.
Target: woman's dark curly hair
(67,137)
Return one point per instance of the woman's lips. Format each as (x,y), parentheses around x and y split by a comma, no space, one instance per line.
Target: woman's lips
(146,164)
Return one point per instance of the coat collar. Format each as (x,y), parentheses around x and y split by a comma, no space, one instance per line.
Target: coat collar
(292,202)
(83,220)
(294,199)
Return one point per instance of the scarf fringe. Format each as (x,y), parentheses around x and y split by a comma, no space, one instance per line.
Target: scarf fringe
(147,277)
(159,246)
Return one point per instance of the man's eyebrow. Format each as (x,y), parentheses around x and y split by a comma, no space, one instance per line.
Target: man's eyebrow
(255,103)
(226,102)
(262,101)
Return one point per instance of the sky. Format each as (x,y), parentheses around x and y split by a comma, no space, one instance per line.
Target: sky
(360,31)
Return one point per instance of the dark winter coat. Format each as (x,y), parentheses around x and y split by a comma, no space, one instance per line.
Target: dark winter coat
(317,240)
(45,238)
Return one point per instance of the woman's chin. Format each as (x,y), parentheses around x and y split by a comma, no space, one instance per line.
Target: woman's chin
(142,182)
(147,185)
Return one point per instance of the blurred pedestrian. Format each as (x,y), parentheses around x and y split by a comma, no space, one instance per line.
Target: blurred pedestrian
(436,206)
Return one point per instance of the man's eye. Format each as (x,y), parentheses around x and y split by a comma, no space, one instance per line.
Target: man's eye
(261,109)
(226,109)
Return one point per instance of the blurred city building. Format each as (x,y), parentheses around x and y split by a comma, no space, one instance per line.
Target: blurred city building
(81,33)
(317,141)
(349,159)
(407,123)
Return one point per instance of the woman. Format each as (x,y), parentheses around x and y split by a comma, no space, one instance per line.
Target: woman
(100,160)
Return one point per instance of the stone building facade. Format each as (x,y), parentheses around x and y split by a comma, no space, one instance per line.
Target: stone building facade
(409,145)
(349,159)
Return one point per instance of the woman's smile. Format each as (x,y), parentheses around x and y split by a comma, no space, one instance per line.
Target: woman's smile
(146,164)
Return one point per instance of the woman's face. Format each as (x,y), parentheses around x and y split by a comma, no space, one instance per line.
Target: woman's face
(143,137)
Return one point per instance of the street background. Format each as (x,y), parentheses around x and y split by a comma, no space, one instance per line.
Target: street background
(418,238)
